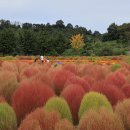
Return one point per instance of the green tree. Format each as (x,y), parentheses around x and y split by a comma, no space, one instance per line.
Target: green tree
(7,41)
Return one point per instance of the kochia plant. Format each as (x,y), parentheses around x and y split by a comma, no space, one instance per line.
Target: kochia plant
(60,105)
(7,117)
(64,125)
(29,96)
(40,120)
(101,120)
(123,110)
(93,100)
(73,94)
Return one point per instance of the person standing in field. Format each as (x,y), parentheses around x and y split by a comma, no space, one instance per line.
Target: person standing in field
(41,59)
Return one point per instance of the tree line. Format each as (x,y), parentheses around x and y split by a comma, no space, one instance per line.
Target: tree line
(47,39)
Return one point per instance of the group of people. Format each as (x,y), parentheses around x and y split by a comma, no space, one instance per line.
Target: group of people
(42,59)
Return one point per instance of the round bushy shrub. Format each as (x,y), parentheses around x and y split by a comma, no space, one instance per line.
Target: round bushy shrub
(40,120)
(8,84)
(89,80)
(95,71)
(126,90)
(116,78)
(2,99)
(115,67)
(64,125)
(59,79)
(112,93)
(43,77)
(123,110)
(9,66)
(79,81)
(60,105)
(93,100)
(101,120)
(7,117)
(73,94)
(29,72)
(29,96)
(72,68)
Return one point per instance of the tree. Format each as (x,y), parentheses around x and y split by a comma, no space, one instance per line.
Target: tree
(112,32)
(7,41)
(27,26)
(77,41)
(69,25)
(60,24)
(28,42)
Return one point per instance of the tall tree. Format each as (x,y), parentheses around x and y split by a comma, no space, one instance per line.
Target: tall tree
(7,41)
(77,42)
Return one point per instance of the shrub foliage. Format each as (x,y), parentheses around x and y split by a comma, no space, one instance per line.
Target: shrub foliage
(7,117)
(93,100)
(60,105)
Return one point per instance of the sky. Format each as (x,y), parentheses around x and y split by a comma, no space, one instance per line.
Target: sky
(92,14)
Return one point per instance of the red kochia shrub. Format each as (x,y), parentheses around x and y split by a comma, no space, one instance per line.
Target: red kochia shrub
(124,71)
(64,125)
(102,120)
(110,91)
(116,78)
(89,80)
(29,72)
(72,68)
(59,79)
(40,120)
(43,77)
(2,99)
(126,90)
(29,96)
(73,94)
(96,71)
(79,81)
(126,65)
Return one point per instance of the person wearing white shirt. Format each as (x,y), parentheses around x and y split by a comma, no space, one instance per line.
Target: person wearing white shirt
(42,59)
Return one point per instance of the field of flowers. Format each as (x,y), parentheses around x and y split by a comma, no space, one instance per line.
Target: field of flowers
(73,96)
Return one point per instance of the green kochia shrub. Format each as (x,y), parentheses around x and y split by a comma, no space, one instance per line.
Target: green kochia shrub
(114,67)
(7,117)
(93,100)
(60,105)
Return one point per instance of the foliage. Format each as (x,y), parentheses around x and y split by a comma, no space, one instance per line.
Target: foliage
(112,93)
(117,78)
(93,100)
(114,67)
(47,39)
(40,120)
(123,110)
(77,41)
(7,117)
(2,99)
(102,120)
(29,96)
(64,125)
(59,79)
(7,41)
(8,84)
(69,94)
(126,90)
(60,105)
(78,81)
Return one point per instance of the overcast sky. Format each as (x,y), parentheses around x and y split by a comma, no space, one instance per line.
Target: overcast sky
(92,14)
